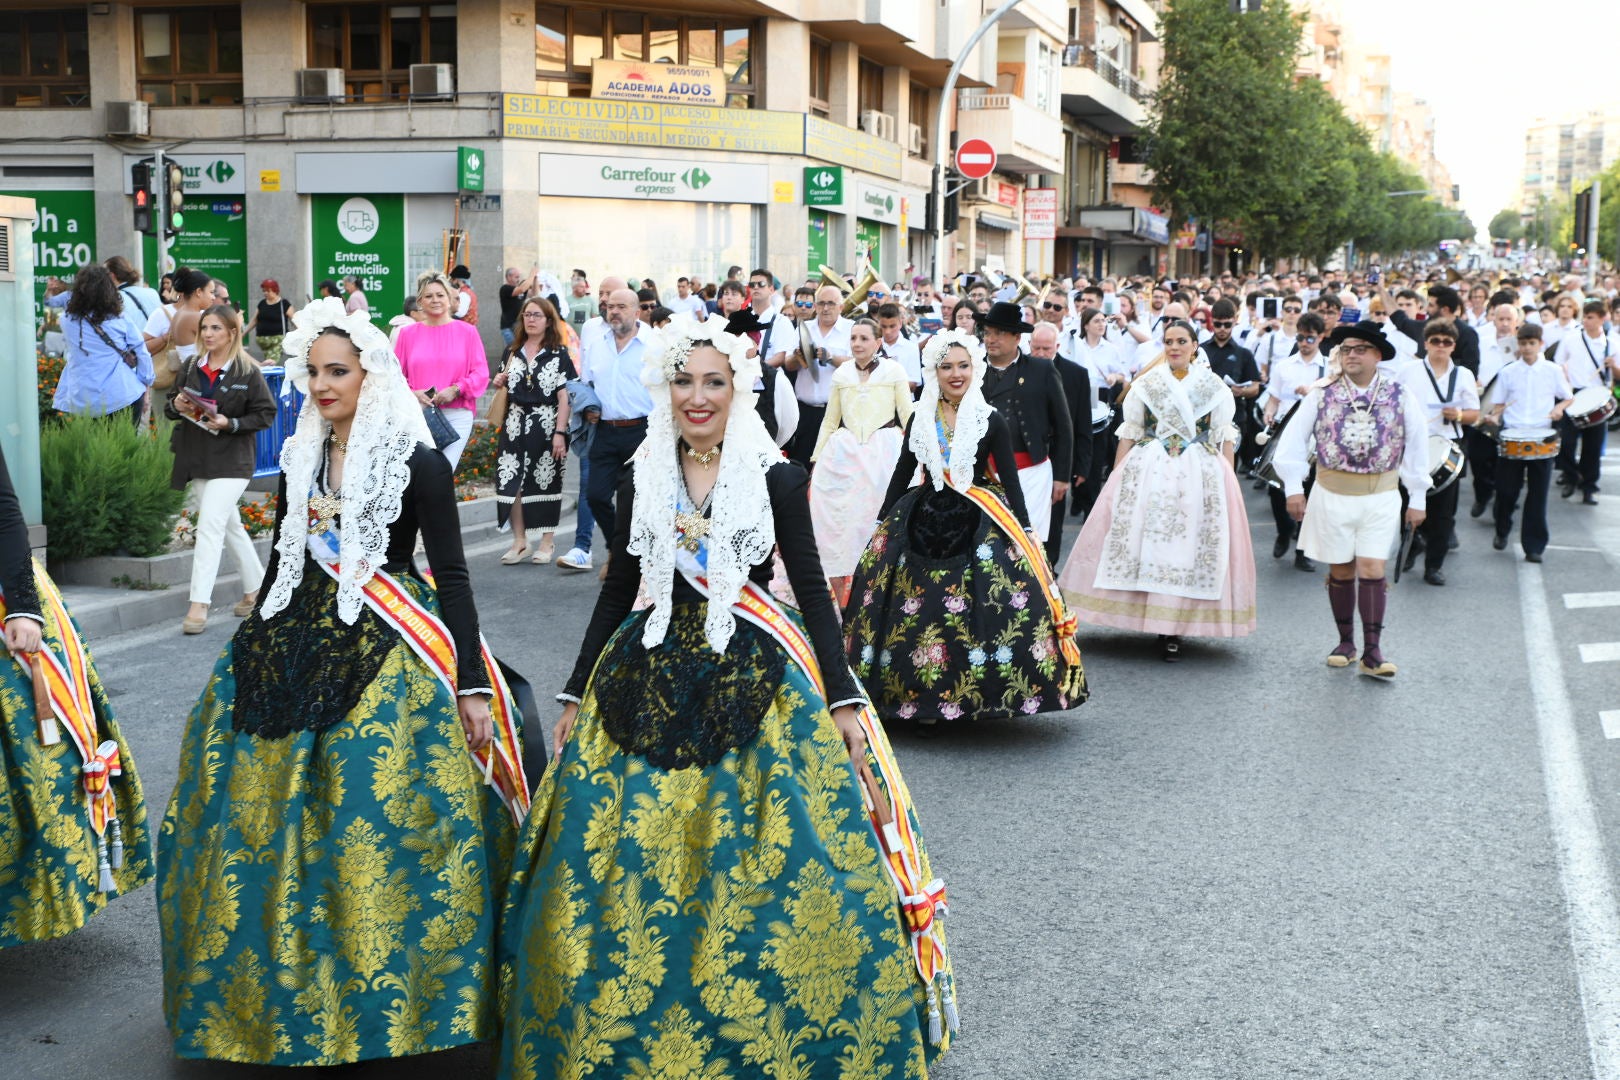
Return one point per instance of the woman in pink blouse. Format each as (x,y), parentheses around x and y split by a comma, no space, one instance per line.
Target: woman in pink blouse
(443,359)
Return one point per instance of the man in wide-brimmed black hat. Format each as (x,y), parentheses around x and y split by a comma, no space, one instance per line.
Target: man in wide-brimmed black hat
(1028,392)
(1371,436)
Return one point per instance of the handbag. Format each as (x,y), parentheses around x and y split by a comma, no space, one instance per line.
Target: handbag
(498,400)
(438,425)
(129,356)
(166,364)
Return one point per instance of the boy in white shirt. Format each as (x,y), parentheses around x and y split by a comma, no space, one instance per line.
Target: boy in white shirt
(1590,357)
(1531,397)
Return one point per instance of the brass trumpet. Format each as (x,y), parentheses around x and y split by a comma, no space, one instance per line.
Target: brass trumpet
(829,276)
(1024,288)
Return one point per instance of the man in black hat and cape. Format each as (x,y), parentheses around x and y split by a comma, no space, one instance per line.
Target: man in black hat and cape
(1371,436)
(1028,392)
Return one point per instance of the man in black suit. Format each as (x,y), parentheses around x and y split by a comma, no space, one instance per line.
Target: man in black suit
(1444,303)
(1029,395)
(1233,362)
(1043,345)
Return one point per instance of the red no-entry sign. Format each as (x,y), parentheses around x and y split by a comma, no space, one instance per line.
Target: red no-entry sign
(975,159)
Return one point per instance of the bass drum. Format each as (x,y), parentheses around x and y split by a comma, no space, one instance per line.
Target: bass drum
(1446,459)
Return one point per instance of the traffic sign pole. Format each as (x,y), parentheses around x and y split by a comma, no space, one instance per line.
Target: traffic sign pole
(162,235)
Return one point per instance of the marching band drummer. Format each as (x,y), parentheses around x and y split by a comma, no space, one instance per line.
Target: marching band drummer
(1450,399)
(1371,437)
(1493,357)
(1531,397)
(1589,358)
(1291,380)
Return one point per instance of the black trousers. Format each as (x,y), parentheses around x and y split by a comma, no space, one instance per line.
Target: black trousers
(806,434)
(1481,452)
(1580,456)
(1439,519)
(611,450)
(1511,476)
(1286,525)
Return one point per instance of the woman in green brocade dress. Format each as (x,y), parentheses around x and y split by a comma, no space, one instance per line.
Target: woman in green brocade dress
(51,876)
(699,891)
(332,862)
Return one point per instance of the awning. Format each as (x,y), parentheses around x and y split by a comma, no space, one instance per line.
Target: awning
(991,221)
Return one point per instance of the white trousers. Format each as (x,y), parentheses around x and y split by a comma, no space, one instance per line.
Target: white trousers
(1036,482)
(219,525)
(462,421)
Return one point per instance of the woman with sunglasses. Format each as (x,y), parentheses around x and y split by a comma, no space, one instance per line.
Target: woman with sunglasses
(1450,400)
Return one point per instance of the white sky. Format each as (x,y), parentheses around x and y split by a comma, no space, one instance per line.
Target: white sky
(1489,68)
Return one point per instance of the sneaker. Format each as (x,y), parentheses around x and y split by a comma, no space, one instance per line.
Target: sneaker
(575,560)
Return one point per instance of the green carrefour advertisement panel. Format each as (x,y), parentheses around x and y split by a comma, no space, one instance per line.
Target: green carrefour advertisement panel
(64,236)
(817,242)
(214,240)
(869,243)
(362,236)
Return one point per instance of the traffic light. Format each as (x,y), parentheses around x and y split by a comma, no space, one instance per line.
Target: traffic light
(1583,217)
(140,175)
(174,197)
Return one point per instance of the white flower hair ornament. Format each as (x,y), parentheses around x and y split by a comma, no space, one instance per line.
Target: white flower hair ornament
(327,313)
(941,342)
(670,349)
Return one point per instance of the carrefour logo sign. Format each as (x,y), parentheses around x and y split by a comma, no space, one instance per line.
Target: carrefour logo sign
(655,181)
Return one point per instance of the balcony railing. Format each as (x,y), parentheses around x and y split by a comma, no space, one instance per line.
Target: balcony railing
(976,99)
(1077,55)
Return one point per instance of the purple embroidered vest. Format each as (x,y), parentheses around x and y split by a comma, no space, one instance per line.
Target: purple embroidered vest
(1345,445)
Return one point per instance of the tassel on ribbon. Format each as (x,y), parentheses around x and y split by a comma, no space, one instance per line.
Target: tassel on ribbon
(106,884)
(936,1033)
(117,857)
(948,994)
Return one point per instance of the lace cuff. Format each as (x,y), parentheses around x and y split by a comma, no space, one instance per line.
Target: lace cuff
(487,691)
(568,698)
(26,615)
(855,701)
(1129,432)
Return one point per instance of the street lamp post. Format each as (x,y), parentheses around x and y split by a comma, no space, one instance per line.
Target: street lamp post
(939,133)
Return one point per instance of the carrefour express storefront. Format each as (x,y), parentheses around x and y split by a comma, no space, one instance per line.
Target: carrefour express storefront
(650,216)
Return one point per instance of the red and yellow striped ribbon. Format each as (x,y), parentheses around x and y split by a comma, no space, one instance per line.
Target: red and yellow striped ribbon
(1064,624)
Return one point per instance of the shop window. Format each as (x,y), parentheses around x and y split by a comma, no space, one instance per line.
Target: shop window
(820,77)
(44,60)
(869,87)
(190,55)
(568,37)
(376,44)
(921,116)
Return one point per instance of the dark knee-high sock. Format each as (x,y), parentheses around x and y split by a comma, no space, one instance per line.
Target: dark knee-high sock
(1342,599)
(1372,599)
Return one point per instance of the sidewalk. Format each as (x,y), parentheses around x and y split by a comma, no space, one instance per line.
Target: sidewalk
(114,595)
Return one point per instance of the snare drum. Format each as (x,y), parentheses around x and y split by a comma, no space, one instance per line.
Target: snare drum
(1102,415)
(1445,462)
(1527,446)
(1591,407)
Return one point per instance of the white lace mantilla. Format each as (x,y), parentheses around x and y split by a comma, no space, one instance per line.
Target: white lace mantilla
(972,414)
(386,429)
(1169,533)
(742,529)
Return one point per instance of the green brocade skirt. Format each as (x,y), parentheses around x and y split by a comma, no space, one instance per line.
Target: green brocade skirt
(48,864)
(715,921)
(331,896)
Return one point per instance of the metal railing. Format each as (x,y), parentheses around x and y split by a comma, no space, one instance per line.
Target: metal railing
(1077,55)
(267,444)
(977,99)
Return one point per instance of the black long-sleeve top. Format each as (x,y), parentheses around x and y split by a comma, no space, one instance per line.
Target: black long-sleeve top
(429,507)
(16,560)
(1465,354)
(789,488)
(997,448)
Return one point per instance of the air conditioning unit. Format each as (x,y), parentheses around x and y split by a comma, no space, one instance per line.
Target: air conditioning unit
(129,118)
(879,125)
(914,138)
(433,82)
(984,190)
(319,86)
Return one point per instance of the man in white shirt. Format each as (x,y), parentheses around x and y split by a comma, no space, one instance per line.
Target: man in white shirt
(1529,401)
(686,302)
(1292,379)
(1590,358)
(822,345)
(613,361)
(762,295)
(897,346)
(1502,350)
(597,325)
(1450,400)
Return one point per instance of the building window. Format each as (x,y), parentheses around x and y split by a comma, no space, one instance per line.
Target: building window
(568,37)
(869,87)
(189,56)
(44,60)
(922,118)
(820,77)
(376,44)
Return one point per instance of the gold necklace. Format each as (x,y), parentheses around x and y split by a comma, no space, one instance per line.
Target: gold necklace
(704,458)
(332,438)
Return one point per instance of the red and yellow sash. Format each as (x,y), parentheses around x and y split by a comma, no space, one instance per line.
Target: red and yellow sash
(62,697)
(888,807)
(501,762)
(1064,624)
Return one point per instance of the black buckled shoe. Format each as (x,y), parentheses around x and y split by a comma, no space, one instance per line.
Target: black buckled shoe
(1434,577)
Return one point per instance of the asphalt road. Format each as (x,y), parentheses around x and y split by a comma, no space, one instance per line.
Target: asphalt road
(1242,866)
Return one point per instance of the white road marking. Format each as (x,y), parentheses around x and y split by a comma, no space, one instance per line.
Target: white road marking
(1565,547)
(1611,723)
(1594,923)
(1599,652)
(1591,599)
